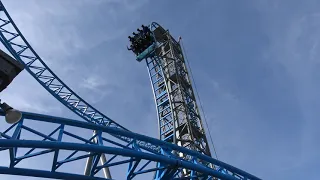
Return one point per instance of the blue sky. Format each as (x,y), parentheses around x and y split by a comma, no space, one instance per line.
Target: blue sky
(256,65)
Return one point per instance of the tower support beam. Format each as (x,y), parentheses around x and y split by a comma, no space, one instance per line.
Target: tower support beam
(179,118)
(103,160)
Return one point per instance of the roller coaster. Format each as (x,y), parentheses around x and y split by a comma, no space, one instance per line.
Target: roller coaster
(108,150)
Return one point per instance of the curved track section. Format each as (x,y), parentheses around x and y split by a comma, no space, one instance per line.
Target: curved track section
(18,46)
(63,144)
(67,142)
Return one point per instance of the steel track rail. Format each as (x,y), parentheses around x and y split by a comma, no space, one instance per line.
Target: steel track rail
(135,157)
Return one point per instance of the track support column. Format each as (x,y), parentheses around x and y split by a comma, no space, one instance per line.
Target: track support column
(103,160)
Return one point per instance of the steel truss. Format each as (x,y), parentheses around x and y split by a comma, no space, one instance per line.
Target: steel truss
(178,115)
(138,153)
(20,49)
(138,156)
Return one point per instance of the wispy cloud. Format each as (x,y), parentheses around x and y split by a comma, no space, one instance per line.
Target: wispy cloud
(93,82)
(60,33)
(256,65)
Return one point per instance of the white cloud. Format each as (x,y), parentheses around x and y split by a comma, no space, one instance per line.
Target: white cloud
(294,36)
(60,30)
(25,104)
(96,87)
(93,82)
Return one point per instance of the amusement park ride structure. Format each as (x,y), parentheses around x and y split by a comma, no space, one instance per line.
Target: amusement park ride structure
(181,152)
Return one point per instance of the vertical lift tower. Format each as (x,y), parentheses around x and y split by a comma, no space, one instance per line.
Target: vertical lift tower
(179,119)
(132,153)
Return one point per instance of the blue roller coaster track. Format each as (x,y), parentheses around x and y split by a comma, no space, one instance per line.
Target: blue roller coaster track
(135,155)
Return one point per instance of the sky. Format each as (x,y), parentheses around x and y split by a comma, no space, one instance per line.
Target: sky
(255,63)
